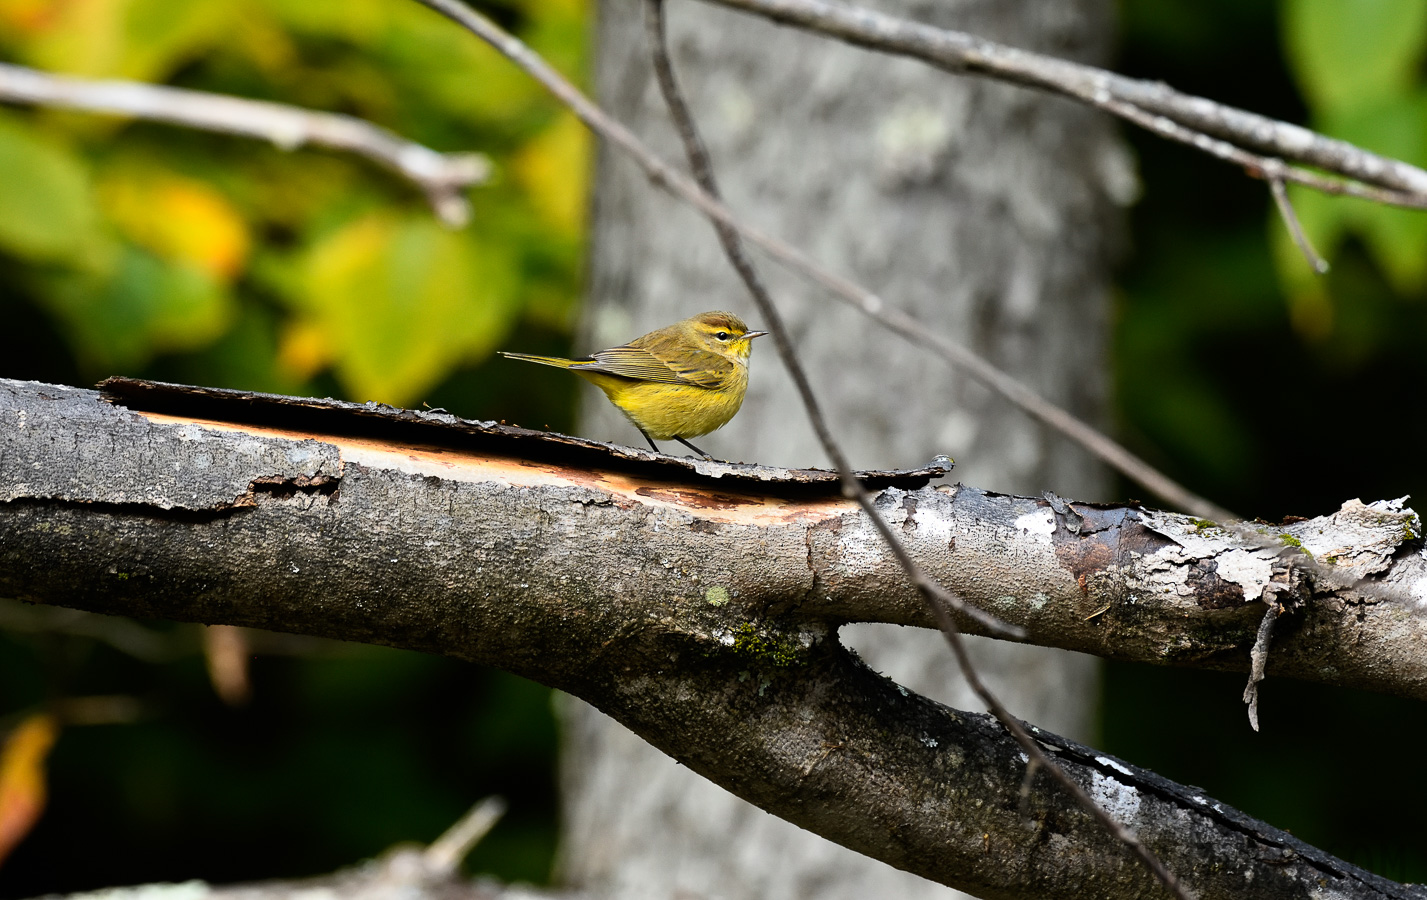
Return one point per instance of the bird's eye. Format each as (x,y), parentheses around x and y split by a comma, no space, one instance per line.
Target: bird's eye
(722,335)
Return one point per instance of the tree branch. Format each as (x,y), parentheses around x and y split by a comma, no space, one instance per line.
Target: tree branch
(629,579)
(1132,99)
(443,177)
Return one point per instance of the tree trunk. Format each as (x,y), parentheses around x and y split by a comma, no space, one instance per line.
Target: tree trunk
(985,210)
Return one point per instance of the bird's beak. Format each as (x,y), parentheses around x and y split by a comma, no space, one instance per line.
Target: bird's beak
(748,336)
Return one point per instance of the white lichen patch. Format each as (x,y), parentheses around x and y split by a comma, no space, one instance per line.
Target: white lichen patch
(1038,524)
(1249,570)
(1359,539)
(1194,539)
(934,526)
(1419,591)
(1118,799)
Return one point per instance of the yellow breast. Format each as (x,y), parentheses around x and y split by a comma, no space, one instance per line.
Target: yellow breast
(667,411)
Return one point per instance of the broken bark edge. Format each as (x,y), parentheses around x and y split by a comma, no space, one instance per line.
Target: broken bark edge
(440,428)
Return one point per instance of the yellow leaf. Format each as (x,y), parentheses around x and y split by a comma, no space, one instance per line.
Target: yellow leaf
(28,16)
(79,37)
(555,169)
(146,40)
(304,350)
(22,778)
(179,219)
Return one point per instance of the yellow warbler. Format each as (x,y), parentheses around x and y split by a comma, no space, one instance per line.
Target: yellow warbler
(678,382)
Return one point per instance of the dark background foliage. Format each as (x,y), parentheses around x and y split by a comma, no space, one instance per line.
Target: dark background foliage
(1251,383)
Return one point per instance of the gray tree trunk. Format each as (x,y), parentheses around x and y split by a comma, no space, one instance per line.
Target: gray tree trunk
(987,211)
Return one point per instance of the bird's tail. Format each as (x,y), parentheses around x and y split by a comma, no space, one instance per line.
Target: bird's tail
(556,361)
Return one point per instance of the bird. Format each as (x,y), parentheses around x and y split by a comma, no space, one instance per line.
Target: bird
(680,382)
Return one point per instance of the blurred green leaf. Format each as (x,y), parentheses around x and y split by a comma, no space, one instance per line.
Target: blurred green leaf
(1397,237)
(556,31)
(395,301)
(1324,221)
(1358,63)
(142,39)
(1351,53)
(118,318)
(459,74)
(358,22)
(159,35)
(554,168)
(46,211)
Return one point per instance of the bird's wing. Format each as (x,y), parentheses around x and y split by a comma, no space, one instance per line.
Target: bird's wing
(698,367)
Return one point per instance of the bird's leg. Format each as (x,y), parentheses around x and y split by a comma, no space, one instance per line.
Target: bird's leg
(693,448)
(653,446)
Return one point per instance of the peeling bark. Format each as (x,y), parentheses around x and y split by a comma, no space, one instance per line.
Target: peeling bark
(703,615)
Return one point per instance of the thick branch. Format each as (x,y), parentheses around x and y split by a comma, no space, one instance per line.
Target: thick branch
(697,609)
(443,177)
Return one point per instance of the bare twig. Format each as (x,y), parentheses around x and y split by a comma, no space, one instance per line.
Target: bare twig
(125,635)
(1295,228)
(961,52)
(1038,756)
(443,856)
(938,599)
(1268,168)
(1258,165)
(100,709)
(895,320)
(227,651)
(443,177)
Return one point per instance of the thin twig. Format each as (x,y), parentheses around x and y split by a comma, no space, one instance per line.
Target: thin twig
(1295,228)
(1268,168)
(938,599)
(444,855)
(733,247)
(1038,756)
(1255,164)
(443,177)
(960,52)
(895,320)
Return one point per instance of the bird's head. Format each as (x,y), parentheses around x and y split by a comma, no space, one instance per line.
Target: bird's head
(723,333)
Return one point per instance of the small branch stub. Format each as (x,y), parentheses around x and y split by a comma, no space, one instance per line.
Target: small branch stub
(1259,660)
